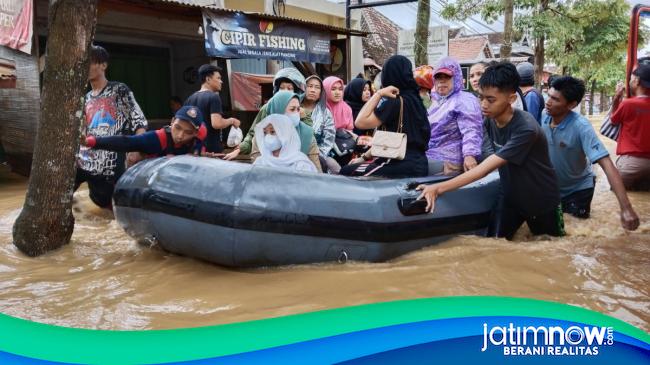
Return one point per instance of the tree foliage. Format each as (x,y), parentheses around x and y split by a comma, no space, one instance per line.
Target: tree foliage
(591,40)
(586,38)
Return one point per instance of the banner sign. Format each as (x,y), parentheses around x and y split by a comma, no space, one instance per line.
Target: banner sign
(456,330)
(16,19)
(243,36)
(437,48)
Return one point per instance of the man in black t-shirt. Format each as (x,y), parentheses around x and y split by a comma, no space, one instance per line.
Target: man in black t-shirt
(209,102)
(529,184)
(110,109)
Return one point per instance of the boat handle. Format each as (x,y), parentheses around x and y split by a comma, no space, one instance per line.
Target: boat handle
(412,206)
(166,202)
(411,185)
(343,257)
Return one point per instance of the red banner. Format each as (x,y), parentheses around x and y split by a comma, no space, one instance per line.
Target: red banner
(246,90)
(16,19)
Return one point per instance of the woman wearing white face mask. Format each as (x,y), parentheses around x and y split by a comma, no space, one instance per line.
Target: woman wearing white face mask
(279,144)
(287,103)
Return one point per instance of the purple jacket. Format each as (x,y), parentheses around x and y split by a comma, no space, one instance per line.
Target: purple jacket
(456,122)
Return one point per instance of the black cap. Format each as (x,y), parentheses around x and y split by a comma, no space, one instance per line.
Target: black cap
(643,73)
(190,114)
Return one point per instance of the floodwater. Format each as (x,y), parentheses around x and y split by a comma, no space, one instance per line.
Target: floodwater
(104,280)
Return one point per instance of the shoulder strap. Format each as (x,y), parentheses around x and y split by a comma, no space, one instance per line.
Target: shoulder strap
(162,138)
(401,115)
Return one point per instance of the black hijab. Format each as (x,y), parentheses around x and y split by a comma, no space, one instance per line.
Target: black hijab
(398,72)
(353,93)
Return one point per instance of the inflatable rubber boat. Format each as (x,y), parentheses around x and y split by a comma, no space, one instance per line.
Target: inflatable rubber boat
(240,215)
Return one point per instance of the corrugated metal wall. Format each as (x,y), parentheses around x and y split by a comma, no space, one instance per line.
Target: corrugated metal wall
(251,66)
(19,110)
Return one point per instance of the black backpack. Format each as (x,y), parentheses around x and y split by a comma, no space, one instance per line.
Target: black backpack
(344,143)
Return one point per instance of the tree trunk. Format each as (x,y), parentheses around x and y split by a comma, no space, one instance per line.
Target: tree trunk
(592,97)
(46,221)
(603,101)
(539,61)
(540,51)
(506,47)
(422,33)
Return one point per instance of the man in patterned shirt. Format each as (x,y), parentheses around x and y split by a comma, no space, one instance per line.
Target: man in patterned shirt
(110,110)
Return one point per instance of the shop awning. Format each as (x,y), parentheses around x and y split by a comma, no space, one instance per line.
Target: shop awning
(193,8)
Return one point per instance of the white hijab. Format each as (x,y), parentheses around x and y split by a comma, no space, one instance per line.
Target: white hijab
(290,155)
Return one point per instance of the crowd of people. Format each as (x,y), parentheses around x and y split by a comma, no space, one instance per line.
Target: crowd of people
(543,150)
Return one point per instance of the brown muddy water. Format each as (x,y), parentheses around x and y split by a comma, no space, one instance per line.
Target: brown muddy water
(104,280)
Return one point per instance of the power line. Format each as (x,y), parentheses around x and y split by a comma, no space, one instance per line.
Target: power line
(484,25)
(453,22)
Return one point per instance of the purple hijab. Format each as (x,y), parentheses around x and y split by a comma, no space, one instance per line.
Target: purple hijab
(456,121)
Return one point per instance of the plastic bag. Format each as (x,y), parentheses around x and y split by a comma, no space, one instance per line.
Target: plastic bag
(235,137)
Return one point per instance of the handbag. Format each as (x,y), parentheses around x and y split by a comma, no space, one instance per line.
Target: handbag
(391,145)
(608,129)
(344,143)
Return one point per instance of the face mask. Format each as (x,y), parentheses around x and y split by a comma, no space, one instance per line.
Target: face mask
(272,142)
(295,118)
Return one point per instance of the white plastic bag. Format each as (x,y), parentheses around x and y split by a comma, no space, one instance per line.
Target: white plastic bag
(235,137)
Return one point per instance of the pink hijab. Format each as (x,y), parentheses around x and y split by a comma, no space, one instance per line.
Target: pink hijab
(341,111)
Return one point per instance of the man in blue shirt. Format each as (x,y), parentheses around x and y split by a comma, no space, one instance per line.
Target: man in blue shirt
(573,148)
(181,137)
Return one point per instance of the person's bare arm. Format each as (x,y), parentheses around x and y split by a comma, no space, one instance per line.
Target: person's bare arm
(219,122)
(618,97)
(232,155)
(134,157)
(431,192)
(629,218)
(367,118)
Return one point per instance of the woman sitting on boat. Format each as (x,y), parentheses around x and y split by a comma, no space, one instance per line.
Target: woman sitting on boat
(288,104)
(383,110)
(356,94)
(288,79)
(342,113)
(317,115)
(279,145)
(456,122)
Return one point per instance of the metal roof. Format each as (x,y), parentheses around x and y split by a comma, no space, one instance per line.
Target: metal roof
(201,4)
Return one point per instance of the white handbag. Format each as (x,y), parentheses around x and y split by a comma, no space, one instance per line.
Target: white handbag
(391,145)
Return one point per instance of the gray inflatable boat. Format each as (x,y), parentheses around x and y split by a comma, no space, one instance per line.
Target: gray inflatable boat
(240,215)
